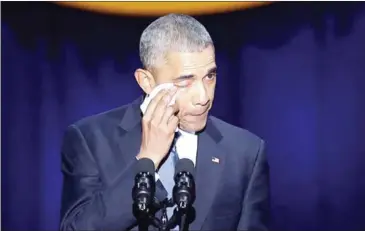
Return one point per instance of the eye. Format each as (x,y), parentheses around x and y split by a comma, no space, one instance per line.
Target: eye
(183,83)
(211,76)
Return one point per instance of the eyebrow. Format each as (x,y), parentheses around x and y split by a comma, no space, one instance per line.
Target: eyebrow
(189,76)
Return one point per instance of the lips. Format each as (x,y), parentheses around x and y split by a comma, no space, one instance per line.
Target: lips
(200,113)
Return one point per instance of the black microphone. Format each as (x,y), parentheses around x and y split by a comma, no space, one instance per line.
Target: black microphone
(184,189)
(144,186)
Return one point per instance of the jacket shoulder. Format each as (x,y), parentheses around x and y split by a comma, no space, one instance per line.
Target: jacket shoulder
(232,131)
(103,120)
(237,138)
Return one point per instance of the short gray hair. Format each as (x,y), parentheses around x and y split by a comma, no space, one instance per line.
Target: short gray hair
(172,32)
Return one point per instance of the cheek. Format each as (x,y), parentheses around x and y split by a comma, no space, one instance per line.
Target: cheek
(182,97)
(182,103)
(211,87)
(211,91)
(211,95)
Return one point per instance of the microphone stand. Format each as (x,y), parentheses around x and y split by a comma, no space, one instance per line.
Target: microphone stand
(180,216)
(184,216)
(143,217)
(167,224)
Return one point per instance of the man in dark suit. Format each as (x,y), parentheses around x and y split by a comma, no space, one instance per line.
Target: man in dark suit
(100,153)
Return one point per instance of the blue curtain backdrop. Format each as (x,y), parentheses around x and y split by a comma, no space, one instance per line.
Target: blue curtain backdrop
(293,73)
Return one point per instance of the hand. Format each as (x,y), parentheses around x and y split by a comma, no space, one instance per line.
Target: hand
(158,127)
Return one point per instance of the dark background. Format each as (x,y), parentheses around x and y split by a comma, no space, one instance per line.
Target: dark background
(293,73)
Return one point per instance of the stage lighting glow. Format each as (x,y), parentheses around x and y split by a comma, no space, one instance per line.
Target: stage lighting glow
(161,8)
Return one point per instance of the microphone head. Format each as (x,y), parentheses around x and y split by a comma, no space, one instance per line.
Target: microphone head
(185,165)
(145,165)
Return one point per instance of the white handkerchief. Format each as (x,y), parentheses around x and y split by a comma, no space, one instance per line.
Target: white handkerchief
(154,92)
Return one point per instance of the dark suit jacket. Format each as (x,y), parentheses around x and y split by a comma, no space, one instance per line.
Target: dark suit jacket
(98,162)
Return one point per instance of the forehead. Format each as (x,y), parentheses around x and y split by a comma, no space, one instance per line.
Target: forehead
(187,63)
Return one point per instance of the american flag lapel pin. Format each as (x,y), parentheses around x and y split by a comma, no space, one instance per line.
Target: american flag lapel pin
(215,160)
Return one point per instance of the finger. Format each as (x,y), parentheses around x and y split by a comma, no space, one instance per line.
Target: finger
(162,105)
(152,105)
(166,116)
(173,122)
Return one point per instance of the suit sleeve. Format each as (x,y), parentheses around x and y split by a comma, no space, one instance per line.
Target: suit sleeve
(88,204)
(256,204)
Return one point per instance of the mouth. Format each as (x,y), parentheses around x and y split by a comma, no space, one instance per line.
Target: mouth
(200,113)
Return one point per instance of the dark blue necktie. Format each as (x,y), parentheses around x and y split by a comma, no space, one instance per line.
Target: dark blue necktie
(167,171)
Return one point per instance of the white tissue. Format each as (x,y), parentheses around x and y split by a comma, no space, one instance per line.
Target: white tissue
(154,92)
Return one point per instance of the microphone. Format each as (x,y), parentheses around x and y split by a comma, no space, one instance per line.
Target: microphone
(184,189)
(144,186)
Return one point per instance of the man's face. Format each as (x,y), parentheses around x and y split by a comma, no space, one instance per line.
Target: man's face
(195,76)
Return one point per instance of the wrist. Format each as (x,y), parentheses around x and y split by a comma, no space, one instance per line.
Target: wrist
(155,161)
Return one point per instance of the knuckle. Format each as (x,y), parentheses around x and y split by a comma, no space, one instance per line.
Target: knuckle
(154,124)
(165,131)
(165,99)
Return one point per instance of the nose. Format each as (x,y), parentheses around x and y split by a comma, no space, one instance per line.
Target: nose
(200,97)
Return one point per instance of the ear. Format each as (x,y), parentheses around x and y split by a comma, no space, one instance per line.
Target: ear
(145,80)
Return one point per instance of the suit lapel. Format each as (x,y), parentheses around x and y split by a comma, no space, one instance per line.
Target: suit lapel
(210,161)
(130,131)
